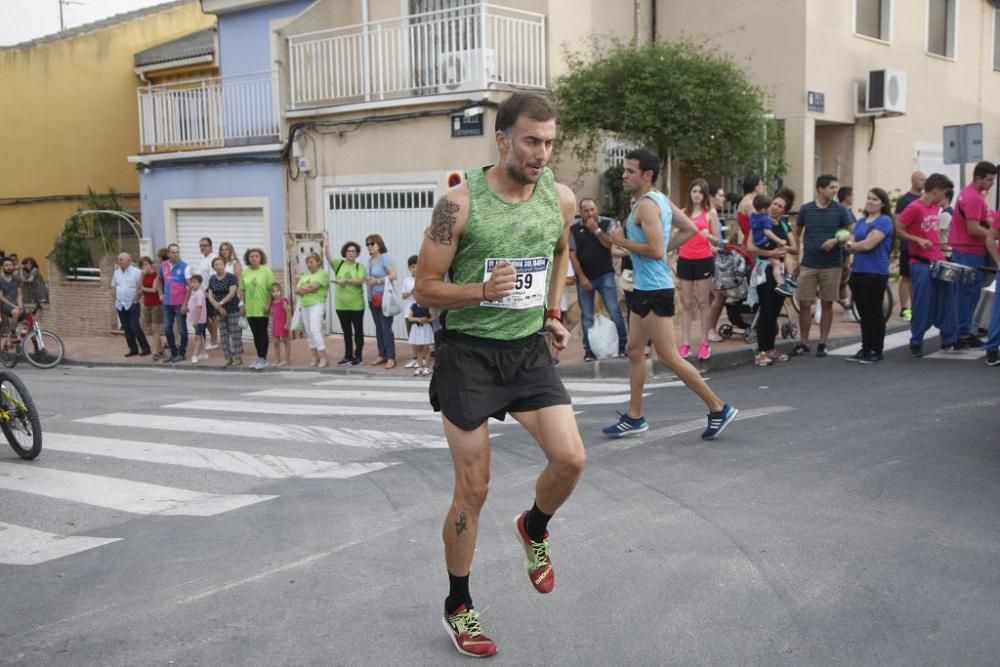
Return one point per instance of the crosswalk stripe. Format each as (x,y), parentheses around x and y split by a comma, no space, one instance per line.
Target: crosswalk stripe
(303,409)
(421,385)
(351,381)
(613,399)
(362,438)
(892,341)
(119,494)
(219,460)
(26,546)
(961,355)
(348,394)
(611,387)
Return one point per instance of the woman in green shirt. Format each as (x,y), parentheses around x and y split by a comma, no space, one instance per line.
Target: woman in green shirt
(311,289)
(349,299)
(255,293)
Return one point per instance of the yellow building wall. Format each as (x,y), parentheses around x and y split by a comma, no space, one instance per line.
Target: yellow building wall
(69,119)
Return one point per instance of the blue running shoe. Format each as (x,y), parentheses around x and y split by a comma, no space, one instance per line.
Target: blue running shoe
(718,421)
(626,426)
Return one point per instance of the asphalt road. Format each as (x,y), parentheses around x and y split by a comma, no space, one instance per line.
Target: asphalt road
(849,519)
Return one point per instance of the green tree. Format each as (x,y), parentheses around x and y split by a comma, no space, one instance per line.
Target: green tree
(679,98)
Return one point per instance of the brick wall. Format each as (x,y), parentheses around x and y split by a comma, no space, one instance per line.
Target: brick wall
(81,307)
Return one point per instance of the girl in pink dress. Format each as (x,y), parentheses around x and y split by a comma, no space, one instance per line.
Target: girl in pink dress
(280,319)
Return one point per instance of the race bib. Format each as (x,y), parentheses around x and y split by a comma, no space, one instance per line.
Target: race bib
(529,286)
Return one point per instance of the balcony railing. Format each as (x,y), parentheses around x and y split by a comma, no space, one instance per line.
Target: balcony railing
(209,113)
(474,47)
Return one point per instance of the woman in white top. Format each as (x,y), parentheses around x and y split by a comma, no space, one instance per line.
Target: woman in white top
(228,254)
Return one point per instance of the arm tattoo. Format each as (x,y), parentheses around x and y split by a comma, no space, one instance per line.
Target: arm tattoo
(443,222)
(462,524)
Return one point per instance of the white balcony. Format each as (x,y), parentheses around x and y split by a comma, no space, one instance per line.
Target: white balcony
(470,48)
(209,113)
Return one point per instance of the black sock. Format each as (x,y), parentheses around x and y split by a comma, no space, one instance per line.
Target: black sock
(535,523)
(458,594)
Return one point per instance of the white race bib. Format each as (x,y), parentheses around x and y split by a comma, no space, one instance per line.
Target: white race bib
(529,287)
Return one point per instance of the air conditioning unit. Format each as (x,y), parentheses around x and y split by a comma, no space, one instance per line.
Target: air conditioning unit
(886,91)
(466,70)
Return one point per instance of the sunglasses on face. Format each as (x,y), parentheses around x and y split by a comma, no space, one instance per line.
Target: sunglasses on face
(370,244)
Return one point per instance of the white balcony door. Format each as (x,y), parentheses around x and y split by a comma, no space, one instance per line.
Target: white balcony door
(397,213)
(436,36)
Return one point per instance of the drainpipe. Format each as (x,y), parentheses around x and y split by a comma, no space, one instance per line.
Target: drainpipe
(652,27)
(366,55)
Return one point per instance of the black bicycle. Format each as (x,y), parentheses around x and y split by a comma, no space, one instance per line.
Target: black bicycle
(19,419)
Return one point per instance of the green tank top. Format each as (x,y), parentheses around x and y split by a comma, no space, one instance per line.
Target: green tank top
(523,233)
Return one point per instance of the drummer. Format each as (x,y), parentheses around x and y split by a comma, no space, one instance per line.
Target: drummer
(967,238)
(993,340)
(933,299)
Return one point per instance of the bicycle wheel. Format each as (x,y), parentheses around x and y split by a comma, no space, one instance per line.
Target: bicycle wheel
(19,418)
(8,350)
(42,348)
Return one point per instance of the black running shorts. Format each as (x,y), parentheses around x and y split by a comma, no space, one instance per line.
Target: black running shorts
(478,378)
(660,301)
(695,269)
(904,259)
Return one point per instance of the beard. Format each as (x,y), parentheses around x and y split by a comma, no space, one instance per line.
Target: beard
(8,272)
(519,173)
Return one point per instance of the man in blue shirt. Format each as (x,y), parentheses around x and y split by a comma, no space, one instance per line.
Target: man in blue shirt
(652,308)
(816,226)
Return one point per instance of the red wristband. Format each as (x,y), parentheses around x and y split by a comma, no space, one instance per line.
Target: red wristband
(553,314)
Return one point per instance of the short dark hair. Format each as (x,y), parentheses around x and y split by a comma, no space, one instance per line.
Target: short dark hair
(761,202)
(647,159)
(984,169)
(844,192)
(347,246)
(260,251)
(412,260)
(938,182)
(824,181)
(750,183)
(196,277)
(145,259)
(204,240)
(590,199)
(531,105)
(8,258)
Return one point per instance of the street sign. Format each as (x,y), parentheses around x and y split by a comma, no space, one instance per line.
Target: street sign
(465,126)
(815,101)
(963,143)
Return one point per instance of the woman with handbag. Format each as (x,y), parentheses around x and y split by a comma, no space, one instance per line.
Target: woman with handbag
(381,273)
(311,290)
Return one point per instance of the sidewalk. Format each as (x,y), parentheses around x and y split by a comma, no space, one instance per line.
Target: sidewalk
(110,351)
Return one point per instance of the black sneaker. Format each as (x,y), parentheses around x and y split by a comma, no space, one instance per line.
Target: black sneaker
(871,358)
(951,349)
(916,351)
(971,342)
(992,358)
(821,350)
(857,356)
(589,356)
(801,348)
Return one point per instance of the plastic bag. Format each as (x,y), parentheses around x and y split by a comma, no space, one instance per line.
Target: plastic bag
(391,303)
(603,337)
(297,323)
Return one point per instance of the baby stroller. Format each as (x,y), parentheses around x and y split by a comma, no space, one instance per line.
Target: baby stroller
(732,275)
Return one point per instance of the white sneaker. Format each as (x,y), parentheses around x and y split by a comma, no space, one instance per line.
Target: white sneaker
(212,346)
(262,364)
(194,359)
(412,363)
(256,364)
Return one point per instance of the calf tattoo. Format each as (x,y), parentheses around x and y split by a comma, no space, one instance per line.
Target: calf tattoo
(443,221)
(462,524)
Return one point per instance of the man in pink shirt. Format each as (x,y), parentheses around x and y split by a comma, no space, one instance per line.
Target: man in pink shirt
(933,299)
(967,238)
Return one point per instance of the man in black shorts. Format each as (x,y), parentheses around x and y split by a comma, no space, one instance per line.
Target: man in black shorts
(502,239)
(10,293)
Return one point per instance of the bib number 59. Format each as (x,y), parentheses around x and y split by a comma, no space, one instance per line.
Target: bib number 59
(523,281)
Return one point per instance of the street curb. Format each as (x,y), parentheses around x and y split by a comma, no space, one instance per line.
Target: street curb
(591,370)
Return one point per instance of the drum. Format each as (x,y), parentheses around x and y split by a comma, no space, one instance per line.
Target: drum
(951,272)
(981,317)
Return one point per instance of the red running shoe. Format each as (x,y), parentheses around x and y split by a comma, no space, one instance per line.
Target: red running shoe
(540,571)
(467,634)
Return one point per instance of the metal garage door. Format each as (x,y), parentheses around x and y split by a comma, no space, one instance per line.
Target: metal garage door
(398,213)
(243,227)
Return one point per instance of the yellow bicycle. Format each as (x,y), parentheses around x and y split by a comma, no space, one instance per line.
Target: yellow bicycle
(19,417)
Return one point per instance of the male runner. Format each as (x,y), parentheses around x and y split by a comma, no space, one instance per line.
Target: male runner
(648,227)
(502,238)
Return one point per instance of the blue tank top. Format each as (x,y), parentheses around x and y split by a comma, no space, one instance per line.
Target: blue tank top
(650,274)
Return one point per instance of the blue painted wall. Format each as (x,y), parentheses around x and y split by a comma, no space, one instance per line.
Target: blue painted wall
(245,39)
(214,182)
